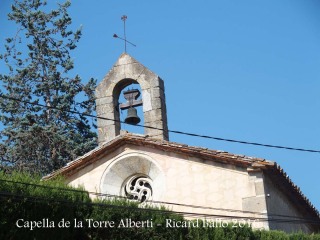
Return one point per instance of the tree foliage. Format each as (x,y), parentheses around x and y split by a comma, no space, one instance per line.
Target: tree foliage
(39,64)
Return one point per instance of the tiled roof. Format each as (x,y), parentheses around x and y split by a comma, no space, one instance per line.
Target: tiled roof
(251,163)
(142,140)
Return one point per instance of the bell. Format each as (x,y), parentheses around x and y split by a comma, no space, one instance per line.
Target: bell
(132,117)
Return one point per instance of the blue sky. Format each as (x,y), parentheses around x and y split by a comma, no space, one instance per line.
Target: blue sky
(246,70)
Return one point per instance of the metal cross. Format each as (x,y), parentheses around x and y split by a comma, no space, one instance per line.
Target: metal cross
(124,18)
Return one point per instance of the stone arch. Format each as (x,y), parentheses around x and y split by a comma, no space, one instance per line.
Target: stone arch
(116,91)
(128,165)
(126,71)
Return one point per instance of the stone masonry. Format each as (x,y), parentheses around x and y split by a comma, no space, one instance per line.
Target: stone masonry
(124,72)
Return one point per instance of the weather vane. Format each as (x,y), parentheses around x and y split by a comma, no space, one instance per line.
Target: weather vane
(124,18)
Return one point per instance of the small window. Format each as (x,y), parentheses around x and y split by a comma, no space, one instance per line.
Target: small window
(138,188)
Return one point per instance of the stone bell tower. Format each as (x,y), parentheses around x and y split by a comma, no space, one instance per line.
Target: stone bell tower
(124,72)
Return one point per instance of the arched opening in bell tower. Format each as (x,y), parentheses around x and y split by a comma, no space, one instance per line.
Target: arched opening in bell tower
(152,114)
(128,106)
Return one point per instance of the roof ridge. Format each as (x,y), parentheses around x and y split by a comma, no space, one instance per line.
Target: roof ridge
(201,152)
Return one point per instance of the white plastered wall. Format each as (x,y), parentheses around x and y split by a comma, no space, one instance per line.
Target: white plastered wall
(181,179)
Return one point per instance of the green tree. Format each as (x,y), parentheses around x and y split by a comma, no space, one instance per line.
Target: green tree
(38,57)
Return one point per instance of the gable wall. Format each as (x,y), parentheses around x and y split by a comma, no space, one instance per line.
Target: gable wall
(279,203)
(187,180)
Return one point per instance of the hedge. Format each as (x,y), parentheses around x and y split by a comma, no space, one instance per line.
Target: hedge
(57,203)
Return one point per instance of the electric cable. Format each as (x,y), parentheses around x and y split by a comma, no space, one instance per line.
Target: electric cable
(171,131)
(153,201)
(181,213)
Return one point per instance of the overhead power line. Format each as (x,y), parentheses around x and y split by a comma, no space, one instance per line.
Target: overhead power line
(171,131)
(23,197)
(156,202)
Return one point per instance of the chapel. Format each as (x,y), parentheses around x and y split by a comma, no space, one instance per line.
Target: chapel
(150,169)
